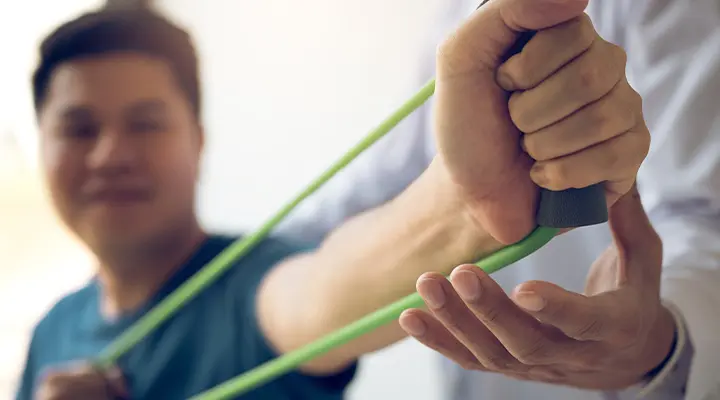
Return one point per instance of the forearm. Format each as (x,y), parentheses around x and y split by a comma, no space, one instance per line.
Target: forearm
(369,262)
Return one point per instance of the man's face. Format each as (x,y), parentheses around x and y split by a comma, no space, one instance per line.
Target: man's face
(120,148)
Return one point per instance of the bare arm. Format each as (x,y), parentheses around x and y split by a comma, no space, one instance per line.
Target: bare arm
(481,177)
(382,253)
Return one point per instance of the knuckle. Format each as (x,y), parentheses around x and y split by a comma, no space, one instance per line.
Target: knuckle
(644,140)
(596,74)
(533,353)
(602,118)
(614,157)
(452,324)
(618,112)
(557,311)
(636,99)
(618,54)
(590,77)
(588,330)
(628,155)
(626,113)
(577,33)
(491,315)
(584,30)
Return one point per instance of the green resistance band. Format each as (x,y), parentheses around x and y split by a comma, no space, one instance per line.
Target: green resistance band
(288,362)
(223,261)
(571,208)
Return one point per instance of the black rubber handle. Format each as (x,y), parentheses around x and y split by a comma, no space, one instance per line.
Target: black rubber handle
(570,208)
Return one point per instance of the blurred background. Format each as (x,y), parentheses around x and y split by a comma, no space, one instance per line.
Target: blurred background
(289,85)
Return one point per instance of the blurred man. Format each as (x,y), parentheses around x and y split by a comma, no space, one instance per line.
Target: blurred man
(674,62)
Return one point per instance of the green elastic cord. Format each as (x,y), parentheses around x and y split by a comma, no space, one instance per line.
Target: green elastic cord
(228,257)
(288,362)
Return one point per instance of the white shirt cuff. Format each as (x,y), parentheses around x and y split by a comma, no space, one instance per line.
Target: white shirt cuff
(671,381)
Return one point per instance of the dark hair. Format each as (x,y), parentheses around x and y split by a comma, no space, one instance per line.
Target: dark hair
(117,29)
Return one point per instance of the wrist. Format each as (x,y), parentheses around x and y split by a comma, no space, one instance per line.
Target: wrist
(661,344)
(456,228)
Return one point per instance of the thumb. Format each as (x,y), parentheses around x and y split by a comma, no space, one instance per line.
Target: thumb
(491,31)
(633,234)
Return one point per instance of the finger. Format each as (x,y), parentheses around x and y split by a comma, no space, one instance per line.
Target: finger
(611,116)
(55,387)
(482,41)
(585,80)
(51,384)
(44,392)
(78,376)
(601,318)
(616,159)
(521,334)
(639,245)
(447,307)
(548,51)
(431,333)
(116,384)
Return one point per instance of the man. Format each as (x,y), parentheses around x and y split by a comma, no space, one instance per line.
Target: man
(674,63)
(117,99)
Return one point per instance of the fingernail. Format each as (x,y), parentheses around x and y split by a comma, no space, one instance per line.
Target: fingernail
(530,301)
(414,326)
(432,292)
(467,284)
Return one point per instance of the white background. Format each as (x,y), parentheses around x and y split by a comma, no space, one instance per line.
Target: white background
(288,86)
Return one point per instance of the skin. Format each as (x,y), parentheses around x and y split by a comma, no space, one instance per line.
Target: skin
(472,198)
(542,332)
(120,150)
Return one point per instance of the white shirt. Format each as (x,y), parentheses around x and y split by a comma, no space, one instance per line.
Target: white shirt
(674,63)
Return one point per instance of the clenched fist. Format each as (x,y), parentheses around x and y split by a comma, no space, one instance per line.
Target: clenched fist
(560,114)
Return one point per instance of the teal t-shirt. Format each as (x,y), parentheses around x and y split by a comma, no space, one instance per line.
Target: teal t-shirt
(210,340)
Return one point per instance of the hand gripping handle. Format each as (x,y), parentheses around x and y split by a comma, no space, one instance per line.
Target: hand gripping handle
(569,208)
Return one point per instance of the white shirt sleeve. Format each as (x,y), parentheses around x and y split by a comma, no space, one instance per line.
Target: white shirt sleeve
(674,62)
